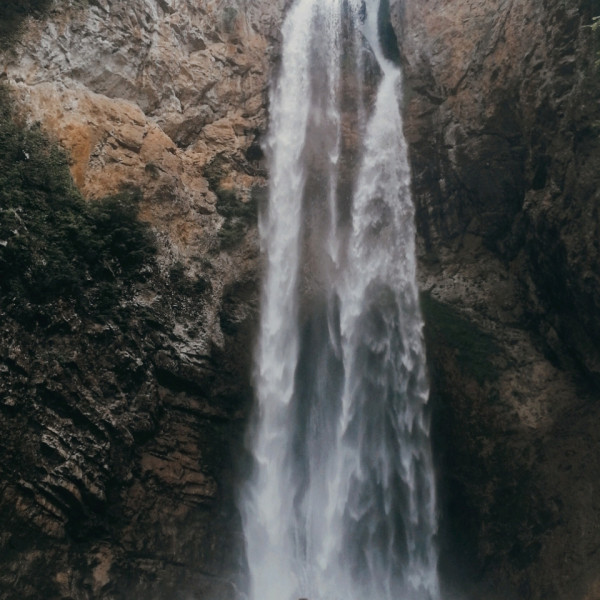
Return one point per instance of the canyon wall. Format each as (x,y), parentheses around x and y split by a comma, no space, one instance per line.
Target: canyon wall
(122,434)
(502,118)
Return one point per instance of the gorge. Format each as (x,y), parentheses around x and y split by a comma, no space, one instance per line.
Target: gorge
(341,503)
(123,412)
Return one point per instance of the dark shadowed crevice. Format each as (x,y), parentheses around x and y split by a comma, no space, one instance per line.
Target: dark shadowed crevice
(387,35)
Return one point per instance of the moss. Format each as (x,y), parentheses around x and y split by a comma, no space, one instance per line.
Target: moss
(238,214)
(596,29)
(215,171)
(153,170)
(231,233)
(202,284)
(180,280)
(177,273)
(475,349)
(228,19)
(13,14)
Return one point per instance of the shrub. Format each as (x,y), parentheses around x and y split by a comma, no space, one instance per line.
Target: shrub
(12,15)
(53,244)
(238,215)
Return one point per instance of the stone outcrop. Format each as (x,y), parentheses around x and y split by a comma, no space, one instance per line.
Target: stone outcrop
(149,94)
(121,435)
(118,453)
(502,118)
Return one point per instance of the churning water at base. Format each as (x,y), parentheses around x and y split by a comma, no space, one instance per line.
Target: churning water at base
(341,501)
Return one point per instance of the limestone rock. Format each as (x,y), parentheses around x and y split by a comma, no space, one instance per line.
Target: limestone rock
(148,93)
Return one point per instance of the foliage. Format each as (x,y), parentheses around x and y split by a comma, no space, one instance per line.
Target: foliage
(228,19)
(12,15)
(14,12)
(238,215)
(52,243)
(475,349)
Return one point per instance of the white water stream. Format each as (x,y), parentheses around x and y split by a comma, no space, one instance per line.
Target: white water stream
(341,501)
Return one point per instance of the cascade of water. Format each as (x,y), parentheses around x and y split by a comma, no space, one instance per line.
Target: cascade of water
(341,501)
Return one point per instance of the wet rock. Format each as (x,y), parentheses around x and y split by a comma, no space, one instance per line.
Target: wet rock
(501,98)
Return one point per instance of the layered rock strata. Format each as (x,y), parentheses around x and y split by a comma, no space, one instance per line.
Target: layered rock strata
(121,437)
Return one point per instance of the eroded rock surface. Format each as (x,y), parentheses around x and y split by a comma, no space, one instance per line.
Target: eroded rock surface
(148,94)
(502,118)
(121,434)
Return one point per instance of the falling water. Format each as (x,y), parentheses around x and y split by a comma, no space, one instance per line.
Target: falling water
(341,501)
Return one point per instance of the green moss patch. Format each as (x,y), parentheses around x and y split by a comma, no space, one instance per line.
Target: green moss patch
(475,349)
(238,216)
(12,15)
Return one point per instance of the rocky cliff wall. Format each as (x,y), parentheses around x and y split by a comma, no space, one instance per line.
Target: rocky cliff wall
(122,431)
(502,117)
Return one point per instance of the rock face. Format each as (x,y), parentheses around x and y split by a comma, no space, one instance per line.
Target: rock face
(121,436)
(149,94)
(502,118)
(118,453)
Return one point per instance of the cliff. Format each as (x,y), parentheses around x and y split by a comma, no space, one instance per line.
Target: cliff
(502,117)
(122,411)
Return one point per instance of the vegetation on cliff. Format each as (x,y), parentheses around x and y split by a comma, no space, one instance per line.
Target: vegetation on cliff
(123,387)
(475,348)
(104,384)
(238,215)
(12,15)
(596,29)
(52,243)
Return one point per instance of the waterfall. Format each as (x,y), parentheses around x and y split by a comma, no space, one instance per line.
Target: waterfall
(340,504)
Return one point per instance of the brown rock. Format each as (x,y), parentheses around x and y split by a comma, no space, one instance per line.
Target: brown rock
(506,174)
